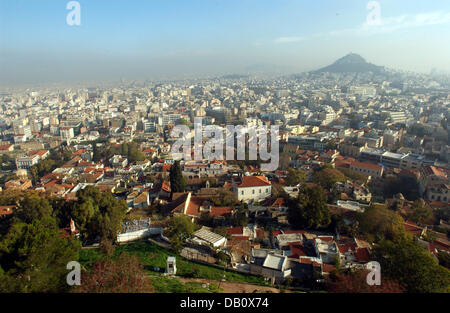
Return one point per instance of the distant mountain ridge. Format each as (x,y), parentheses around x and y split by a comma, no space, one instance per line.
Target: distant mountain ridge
(352,63)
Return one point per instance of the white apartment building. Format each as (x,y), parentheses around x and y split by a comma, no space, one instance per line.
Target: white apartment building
(66,133)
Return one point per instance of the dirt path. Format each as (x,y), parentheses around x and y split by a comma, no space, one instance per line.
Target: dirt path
(231,287)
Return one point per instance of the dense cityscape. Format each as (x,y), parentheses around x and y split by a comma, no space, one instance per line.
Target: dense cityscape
(364,158)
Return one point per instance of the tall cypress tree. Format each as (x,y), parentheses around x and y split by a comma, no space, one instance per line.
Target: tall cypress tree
(177,182)
(96,157)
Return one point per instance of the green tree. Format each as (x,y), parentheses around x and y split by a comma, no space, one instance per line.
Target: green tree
(124,149)
(327,177)
(96,156)
(34,175)
(413,266)
(108,213)
(177,181)
(421,212)
(407,186)
(179,228)
(33,207)
(34,256)
(378,223)
(225,198)
(134,153)
(444,259)
(5,158)
(240,217)
(82,214)
(310,210)
(285,160)
(278,191)
(294,177)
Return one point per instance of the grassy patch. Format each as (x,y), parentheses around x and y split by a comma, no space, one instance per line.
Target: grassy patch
(153,256)
(173,285)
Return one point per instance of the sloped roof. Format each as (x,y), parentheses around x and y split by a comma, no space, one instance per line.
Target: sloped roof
(274,262)
(208,236)
(220,211)
(235,231)
(254,181)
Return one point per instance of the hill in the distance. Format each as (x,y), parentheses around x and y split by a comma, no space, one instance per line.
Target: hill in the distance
(351,63)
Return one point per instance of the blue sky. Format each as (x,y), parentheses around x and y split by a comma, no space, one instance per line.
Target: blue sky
(153,38)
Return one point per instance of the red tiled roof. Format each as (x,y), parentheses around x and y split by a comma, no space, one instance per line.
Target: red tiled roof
(276,233)
(79,152)
(410,227)
(367,165)
(432,170)
(279,202)
(254,181)
(240,237)
(294,232)
(38,152)
(439,204)
(235,231)
(220,211)
(193,206)
(362,254)
(344,248)
(340,164)
(50,183)
(328,268)
(297,250)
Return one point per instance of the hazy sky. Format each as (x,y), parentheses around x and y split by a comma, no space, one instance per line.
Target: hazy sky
(138,39)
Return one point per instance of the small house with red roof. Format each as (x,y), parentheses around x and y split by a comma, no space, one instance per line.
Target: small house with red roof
(253,188)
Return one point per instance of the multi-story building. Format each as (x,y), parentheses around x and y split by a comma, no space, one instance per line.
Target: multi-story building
(172,118)
(368,91)
(25,162)
(440,193)
(390,159)
(66,133)
(352,149)
(367,169)
(371,155)
(432,177)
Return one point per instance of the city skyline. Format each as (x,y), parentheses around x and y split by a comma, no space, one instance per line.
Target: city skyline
(176,39)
